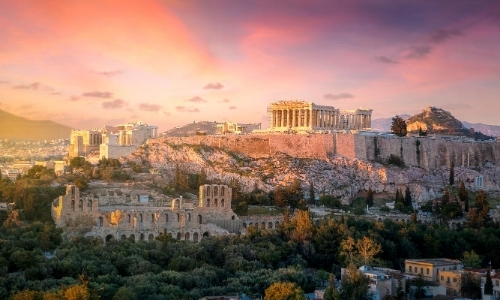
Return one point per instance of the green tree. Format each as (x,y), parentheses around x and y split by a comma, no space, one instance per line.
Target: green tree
(479,214)
(471,259)
(400,293)
(470,286)
(398,126)
(202,179)
(124,293)
(302,227)
(488,285)
(354,285)
(284,291)
(367,249)
(420,287)
(408,200)
(312,195)
(77,162)
(463,195)
(369,197)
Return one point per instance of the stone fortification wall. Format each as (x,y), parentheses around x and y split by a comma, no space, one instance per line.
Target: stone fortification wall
(262,146)
(430,153)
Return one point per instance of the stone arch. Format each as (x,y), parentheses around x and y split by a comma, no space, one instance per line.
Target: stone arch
(263,225)
(222,191)
(89,205)
(244,225)
(151,237)
(178,235)
(250,224)
(276,224)
(221,202)
(100,222)
(216,203)
(132,237)
(187,236)
(270,225)
(206,234)
(73,205)
(80,205)
(195,236)
(140,218)
(200,219)
(189,217)
(109,238)
(216,191)
(208,202)
(166,218)
(142,237)
(208,191)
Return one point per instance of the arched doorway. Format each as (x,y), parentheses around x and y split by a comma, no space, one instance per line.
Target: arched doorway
(151,237)
(132,238)
(187,236)
(206,234)
(142,238)
(179,236)
(109,238)
(195,236)
(123,237)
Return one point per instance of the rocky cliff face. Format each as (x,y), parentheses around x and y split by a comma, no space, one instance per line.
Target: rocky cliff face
(339,176)
(435,120)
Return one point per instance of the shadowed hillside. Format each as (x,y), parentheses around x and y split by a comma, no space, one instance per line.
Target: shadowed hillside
(19,128)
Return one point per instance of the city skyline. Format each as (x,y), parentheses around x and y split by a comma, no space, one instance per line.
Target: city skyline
(168,63)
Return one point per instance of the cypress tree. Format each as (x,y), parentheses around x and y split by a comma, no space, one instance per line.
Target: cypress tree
(369,197)
(488,285)
(312,196)
(408,199)
(464,196)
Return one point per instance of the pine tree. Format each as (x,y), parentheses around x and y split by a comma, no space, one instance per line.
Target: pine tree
(177,176)
(398,126)
(408,199)
(479,215)
(369,197)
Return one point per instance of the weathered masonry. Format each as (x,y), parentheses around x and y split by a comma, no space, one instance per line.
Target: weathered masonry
(126,217)
(304,116)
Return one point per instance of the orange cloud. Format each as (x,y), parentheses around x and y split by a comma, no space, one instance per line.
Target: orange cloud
(143,34)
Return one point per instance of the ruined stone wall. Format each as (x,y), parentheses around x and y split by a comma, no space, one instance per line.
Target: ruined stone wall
(429,154)
(112,151)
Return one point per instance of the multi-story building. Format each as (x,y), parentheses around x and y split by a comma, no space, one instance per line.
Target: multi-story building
(430,268)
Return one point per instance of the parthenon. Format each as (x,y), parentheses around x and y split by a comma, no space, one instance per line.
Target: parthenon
(303,116)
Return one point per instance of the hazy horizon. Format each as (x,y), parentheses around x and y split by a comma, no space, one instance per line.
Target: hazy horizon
(169,63)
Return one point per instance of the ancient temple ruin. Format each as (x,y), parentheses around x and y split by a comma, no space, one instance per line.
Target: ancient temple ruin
(302,116)
(136,217)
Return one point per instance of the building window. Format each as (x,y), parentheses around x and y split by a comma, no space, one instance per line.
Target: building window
(455,279)
(442,278)
(422,271)
(496,282)
(427,271)
(409,270)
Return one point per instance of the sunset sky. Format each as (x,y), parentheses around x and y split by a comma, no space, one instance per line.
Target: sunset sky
(90,63)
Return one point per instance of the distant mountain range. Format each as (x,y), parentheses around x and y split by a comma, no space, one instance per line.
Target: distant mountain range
(18,128)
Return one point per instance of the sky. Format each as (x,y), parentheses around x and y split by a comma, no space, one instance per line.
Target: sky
(85,63)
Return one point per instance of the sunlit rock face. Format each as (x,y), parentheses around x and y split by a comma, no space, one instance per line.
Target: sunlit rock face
(278,160)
